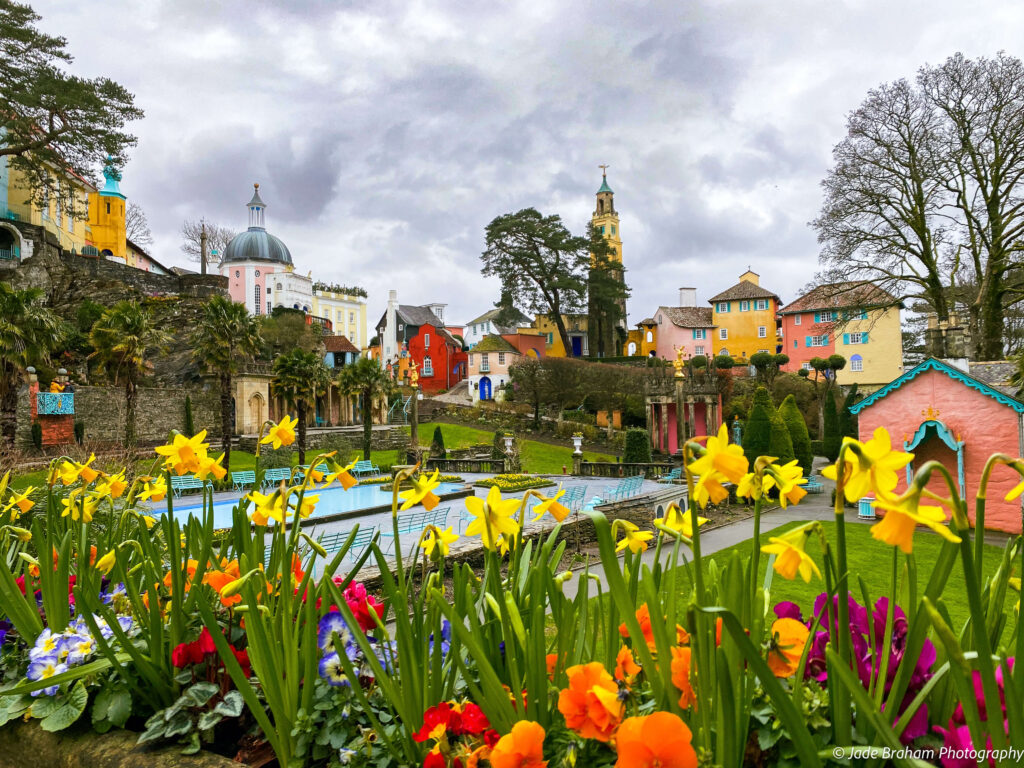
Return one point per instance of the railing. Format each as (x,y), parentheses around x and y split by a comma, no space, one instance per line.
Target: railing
(10,254)
(55,403)
(616,469)
(257,368)
(481,466)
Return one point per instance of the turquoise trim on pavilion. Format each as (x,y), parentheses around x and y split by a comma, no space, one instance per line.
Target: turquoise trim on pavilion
(930,427)
(934,364)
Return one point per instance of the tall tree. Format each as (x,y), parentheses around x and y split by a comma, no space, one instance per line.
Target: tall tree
(226,338)
(217,239)
(53,122)
(542,266)
(527,375)
(826,371)
(136,225)
(606,295)
(29,332)
(366,379)
(297,377)
(122,339)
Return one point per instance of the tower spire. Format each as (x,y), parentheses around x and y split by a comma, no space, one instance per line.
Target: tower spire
(256,207)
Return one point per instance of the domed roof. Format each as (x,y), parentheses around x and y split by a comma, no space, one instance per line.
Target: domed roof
(256,244)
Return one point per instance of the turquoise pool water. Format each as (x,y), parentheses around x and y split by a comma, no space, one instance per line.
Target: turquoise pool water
(333,501)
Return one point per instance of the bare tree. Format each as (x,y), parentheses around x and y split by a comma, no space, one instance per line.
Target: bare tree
(136,225)
(217,239)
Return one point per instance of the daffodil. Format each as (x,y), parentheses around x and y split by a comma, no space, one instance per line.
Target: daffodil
(751,486)
(153,489)
(113,486)
(493,517)
(903,515)
(71,472)
(282,433)
(435,538)
(79,506)
(632,537)
(721,458)
(268,507)
(106,563)
(788,478)
(709,488)
(422,492)
(791,555)
(308,505)
(21,501)
(184,454)
(550,504)
(209,466)
(870,466)
(679,521)
(342,474)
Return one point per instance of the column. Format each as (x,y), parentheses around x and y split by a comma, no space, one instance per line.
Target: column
(664,427)
(650,422)
(692,416)
(708,413)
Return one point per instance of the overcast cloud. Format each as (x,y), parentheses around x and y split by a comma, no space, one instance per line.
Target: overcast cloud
(386,135)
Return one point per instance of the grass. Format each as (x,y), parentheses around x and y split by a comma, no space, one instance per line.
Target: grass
(870,561)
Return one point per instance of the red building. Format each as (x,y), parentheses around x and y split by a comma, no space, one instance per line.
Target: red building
(420,337)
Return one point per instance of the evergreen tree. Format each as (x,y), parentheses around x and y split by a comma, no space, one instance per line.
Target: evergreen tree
(638,446)
(437,449)
(798,433)
(847,421)
(757,433)
(832,438)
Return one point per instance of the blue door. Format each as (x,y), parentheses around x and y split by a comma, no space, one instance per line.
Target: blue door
(577,346)
(485,388)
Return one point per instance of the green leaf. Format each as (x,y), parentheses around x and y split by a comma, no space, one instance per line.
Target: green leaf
(45,706)
(120,707)
(74,706)
(200,693)
(181,723)
(209,719)
(232,705)
(193,746)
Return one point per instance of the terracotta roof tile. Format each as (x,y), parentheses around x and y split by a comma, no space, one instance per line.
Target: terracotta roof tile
(744,289)
(339,344)
(857,293)
(688,317)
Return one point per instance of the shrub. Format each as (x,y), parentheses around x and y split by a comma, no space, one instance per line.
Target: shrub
(498,446)
(437,449)
(780,444)
(79,432)
(276,459)
(638,446)
(832,437)
(817,447)
(724,362)
(190,425)
(699,361)
(797,428)
(757,433)
(847,420)
(37,435)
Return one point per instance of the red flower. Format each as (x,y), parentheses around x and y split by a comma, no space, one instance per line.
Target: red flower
(242,657)
(434,760)
(473,720)
(361,604)
(436,722)
(194,652)
(491,737)
(205,642)
(20,581)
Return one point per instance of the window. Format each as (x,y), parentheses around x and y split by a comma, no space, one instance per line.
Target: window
(826,316)
(795,343)
(484,365)
(796,319)
(428,366)
(723,352)
(723,333)
(501,358)
(351,317)
(238,273)
(259,301)
(279,286)
(426,341)
(659,319)
(722,306)
(856,338)
(551,338)
(762,332)
(257,273)
(108,209)
(700,334)
(650,337)
(817,341)
(699,349)
(744,306)
(57,206)
(761,304)
(268,292)
(602,229)
(613,229)
(856,363)
(806,366)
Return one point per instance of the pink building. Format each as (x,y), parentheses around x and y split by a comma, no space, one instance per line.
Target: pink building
(687,327)
(938,411)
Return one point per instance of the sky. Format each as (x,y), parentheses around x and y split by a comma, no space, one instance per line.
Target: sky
(386,135)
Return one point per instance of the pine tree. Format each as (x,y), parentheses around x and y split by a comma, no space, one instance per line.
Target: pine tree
(437,449)
(832,438)
(798,433)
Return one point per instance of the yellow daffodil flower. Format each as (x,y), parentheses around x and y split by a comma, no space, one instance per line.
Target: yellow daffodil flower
(709,488)
(148,520)
(106,563)
(750,486)
(440,540)
(79,506)
(721,458)
(791,555)
(903,515)
(308,505)
(153,489)
(184,454)
(679,521)
(341,474)
(208,466)
(268,507)
(632,537)
(21,501)
(788,478)
(874,468)
(422,492)
(113,486)
(493,517)
(282,433)
(550,504)
(71,472)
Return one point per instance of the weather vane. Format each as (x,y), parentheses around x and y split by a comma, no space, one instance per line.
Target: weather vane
(604,169)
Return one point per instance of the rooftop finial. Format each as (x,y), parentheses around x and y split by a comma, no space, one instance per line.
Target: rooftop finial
(604,169)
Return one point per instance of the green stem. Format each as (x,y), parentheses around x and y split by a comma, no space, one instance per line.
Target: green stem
(843,711)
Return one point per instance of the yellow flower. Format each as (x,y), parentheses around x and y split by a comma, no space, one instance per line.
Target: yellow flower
(71,471)
(422,492)
(148,520)
(25,535)
(112,485)
(268,507)
(21,501)
(282,433)
(679,521)
(874,468)
(493,516)
(632,537)
(184,454)
(550,504)
(79,505)
(208,466)
(154,489)
(721,458)
(709,488)
(435,538)
(789,477)
(106,563)
(341,474)
(791,556)
(308,505)
(903,515)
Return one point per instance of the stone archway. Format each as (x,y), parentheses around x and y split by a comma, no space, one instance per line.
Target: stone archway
(257,411)
(11,243)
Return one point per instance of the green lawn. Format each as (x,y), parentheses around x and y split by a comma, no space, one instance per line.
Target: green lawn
(871,561)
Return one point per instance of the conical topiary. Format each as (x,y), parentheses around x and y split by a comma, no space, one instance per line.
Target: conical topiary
(757,433)
(832,438)
(798,433)
(437,449)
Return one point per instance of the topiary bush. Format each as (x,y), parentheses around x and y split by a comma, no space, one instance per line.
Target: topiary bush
(757,433)
(79,432)
(437,449)
(797,427)
(190,424)
(638,446)
(832,438)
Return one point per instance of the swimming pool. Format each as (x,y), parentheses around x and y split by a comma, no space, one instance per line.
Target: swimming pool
(335,503)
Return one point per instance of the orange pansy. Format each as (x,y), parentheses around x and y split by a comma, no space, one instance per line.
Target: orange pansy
(218,580)
(789,637)
(591,704)
(626,668)
(681,677)
(658,740)
(523,747)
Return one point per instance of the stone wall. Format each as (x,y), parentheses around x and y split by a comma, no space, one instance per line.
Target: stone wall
(159,410)
(347,439)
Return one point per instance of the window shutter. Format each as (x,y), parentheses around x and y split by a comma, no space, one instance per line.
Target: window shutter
(817,317)
(864,338)
(846,338)
(695,333)
(824,339)
(808,341)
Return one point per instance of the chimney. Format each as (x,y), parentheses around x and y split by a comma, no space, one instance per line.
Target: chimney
(687,297)
(389,342)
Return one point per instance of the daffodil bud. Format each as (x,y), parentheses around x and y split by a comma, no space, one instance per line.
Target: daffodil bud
(21,533)
(106,563)
(563,577)
(28,559)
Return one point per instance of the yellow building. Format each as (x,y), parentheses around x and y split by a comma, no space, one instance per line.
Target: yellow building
(606,220)
(643,342)
(744,318)
(346,311)
(575,324)
(107,217)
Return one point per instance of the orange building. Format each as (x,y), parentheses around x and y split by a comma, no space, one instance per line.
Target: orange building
(744,317)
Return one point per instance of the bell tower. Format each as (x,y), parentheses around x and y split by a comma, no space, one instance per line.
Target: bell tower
(606,289)
(605,218)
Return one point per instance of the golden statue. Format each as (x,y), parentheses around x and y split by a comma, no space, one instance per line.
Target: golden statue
(414,375)
(679,364)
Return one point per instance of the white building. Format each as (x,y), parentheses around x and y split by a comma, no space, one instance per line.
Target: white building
(484,325)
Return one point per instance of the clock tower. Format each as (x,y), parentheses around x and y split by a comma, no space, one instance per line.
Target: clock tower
(607,292)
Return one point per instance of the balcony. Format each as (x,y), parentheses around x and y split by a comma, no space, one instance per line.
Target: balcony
(55,403)
(10,254)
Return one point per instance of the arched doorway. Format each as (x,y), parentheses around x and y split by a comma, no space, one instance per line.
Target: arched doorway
(485,388)
(256,411)
(631,349)
(10,244)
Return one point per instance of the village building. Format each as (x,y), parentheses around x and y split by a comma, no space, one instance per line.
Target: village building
(489,363)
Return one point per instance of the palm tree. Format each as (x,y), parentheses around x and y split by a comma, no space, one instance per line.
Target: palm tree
(367,379)
(121,338)
(227,336)
(297,376)
(28,332)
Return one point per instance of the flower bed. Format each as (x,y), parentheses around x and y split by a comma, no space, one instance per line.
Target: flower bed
(263,644)
(513,483)
(388,480)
